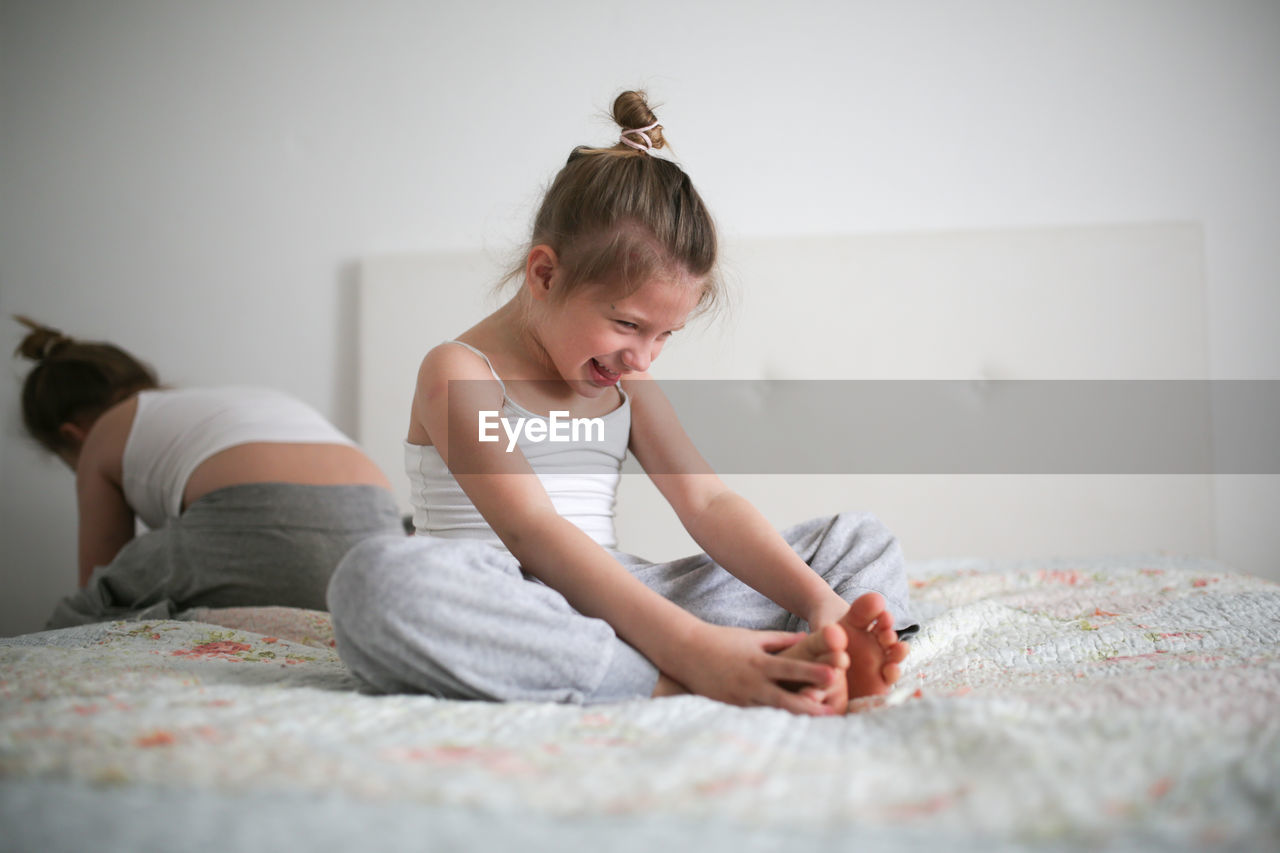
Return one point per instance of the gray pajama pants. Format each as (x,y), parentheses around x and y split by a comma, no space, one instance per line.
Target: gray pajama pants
(457,618)
(253,545)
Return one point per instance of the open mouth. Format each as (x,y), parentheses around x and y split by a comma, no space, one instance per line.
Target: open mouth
(603,375)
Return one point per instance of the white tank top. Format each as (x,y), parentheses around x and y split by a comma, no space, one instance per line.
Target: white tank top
(175,430)
(581,477)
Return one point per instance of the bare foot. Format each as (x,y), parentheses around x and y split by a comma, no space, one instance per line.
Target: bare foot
(828,645)
(874,649)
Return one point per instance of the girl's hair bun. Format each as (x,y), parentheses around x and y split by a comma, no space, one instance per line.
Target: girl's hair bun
(631,111)
(41,342)
(616,216)
(73,380)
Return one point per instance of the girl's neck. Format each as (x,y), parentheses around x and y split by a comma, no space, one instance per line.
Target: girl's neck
(513,329)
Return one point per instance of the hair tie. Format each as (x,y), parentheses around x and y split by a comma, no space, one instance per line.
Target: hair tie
(642,132)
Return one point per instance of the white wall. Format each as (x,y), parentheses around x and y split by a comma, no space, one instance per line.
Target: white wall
(196,180)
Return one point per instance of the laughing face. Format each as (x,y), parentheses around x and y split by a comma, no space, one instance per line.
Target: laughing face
(595,337)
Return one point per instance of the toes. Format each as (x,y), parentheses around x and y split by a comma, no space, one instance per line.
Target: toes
(838,659)
(865,609)
(833,638)
(813,693)
(827,646)
(896,653)
(890,672)
(824,641)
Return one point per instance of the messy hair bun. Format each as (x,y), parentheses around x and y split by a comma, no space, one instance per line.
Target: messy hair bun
(631,111)
(616,216)
(73,381)
(41,342)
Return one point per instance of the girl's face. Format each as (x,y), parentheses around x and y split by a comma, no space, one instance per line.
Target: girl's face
(595,336)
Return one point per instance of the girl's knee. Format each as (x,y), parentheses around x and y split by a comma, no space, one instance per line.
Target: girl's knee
(364,574)
(866,528)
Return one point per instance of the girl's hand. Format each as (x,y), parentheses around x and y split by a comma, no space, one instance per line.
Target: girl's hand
(741,667)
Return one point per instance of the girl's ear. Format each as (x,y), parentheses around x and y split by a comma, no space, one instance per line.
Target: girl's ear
(540,271)
(72,434)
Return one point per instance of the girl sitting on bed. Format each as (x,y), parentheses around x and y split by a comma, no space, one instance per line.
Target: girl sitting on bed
(513,589)
(251,496)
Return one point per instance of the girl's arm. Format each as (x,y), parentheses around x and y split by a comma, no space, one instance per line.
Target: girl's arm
(105,521)
(724,524)
(732,665)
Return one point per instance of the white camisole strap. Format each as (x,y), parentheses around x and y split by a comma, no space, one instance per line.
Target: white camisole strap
(486,361)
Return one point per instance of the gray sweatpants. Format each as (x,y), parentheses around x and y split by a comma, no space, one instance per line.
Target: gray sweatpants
(242,546)
(457,618)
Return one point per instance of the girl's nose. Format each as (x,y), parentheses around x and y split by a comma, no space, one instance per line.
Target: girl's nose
(636,360)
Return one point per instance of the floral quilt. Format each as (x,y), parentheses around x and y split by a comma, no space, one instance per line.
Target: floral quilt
(1121,704)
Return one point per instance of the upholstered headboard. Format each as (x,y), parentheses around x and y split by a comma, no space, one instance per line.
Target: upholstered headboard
(1081,303)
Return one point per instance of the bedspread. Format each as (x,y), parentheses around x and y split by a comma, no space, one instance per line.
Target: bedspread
(1121,704)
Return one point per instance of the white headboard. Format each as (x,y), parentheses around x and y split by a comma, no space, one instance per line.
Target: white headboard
(1098,302)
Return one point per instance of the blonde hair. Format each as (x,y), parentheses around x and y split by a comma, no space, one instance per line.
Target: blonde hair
(73,381)
(617,216)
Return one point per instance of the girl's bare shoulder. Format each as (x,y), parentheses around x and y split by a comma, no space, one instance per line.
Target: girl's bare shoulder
(450,360)
(449,363)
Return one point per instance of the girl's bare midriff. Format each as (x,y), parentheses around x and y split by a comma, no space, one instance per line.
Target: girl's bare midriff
(278,462)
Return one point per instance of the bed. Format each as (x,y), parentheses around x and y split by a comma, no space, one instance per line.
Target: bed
(1107,687)
(1120,705)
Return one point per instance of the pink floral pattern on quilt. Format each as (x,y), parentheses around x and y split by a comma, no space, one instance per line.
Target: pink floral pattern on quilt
(1063,703)
(307,627)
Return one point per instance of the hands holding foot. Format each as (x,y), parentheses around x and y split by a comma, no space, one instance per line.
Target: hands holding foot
(864,649)
(818,674)
(862,646)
